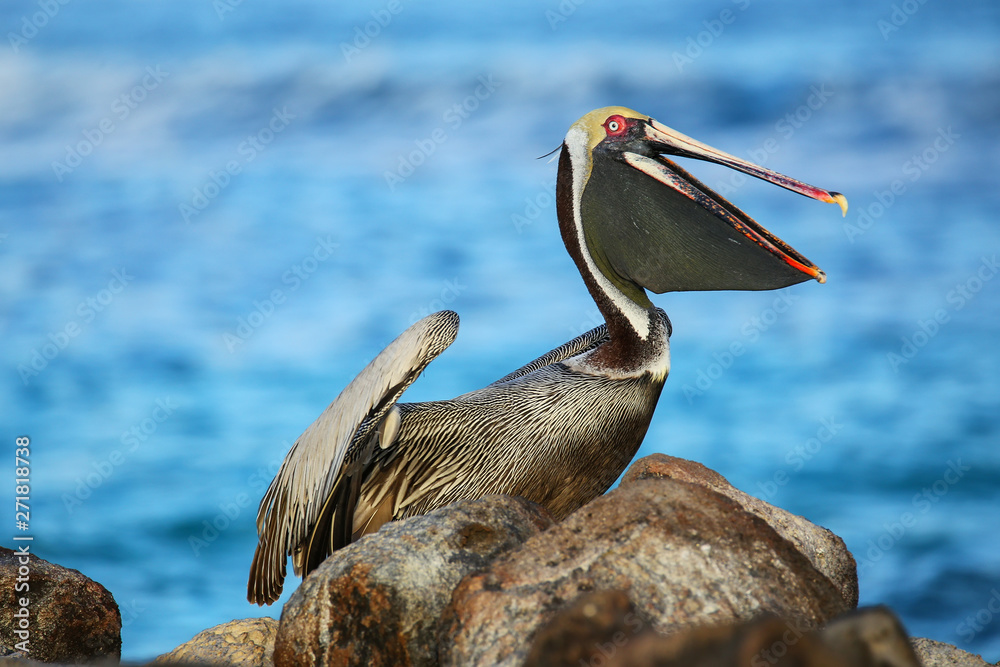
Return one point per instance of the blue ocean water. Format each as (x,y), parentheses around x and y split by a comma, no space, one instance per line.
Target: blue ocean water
(213,214)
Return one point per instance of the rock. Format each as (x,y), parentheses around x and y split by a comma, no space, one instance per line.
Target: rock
(71,618)
(246,643)
(683,553)
(938,654)
(765,641)
(587,632)
(867,638)
(379,600)
(826,550)
(871,636)
(17,659)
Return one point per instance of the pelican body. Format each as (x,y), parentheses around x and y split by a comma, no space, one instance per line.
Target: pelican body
(560,430)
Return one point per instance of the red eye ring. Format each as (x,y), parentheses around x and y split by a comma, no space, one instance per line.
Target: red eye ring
(615,126)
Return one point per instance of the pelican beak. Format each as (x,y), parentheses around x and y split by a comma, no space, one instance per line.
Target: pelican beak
(659,140)
(671,142)
(647,223)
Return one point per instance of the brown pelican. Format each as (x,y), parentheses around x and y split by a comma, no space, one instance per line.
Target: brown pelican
(561,429)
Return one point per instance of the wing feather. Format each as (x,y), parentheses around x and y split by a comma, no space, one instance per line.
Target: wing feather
(315,468)
(582,343)
(578,345)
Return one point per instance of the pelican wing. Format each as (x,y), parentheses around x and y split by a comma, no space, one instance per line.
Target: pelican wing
(315,466)
(578,345)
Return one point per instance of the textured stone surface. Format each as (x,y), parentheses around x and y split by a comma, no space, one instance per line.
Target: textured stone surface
(71,617)
(247,643)
(591,630)
(684,554)
(867,638)
(379,600)
(826,550)
(15,660)
(938,654)
(768,641)
(870,636)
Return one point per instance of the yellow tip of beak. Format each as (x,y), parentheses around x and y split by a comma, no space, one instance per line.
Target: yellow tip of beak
(841,200)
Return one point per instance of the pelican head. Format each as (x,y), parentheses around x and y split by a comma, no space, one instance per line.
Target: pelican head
(643,222)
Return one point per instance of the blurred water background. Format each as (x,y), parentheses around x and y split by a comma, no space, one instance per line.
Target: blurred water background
(214,213)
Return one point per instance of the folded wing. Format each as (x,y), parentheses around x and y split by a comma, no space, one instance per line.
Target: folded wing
(320,476)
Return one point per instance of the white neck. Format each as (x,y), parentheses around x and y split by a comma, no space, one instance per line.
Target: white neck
(579,155)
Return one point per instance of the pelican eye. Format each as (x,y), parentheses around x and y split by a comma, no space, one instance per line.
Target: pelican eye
(615,126)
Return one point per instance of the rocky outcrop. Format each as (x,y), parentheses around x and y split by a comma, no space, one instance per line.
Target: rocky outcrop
(243,643)
(70,618)
(868,638)
(826,551)
(765,641)
(684,554)
(938,654)
(675,567)
(379,601)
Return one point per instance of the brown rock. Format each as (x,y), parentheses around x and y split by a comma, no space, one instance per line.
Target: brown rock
(246,643)
(684,554)
(764,641)
(587,632)
(17,659)
(866,638)
(938,654)
(870,637)
(826,550)
(379,600)
(71,618)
